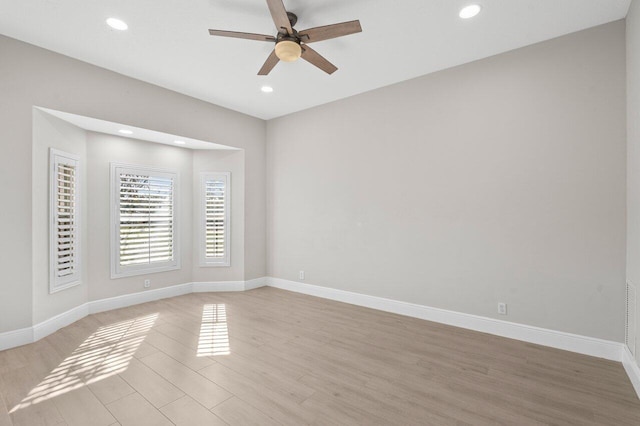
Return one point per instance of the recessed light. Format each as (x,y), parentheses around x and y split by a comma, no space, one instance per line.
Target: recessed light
(117,24)
(266,89)
(125,132)
(470,11)
(179,142)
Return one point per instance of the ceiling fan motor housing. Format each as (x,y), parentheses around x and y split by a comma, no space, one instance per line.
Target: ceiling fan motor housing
(293,18)
(288,45)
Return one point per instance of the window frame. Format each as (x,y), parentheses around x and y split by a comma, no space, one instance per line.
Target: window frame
(118,270)
(56,283)
(205,261)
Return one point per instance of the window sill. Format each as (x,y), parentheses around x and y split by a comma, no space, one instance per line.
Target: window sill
(143,271)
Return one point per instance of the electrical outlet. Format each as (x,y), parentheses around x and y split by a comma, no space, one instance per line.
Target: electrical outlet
(301,275)
(502,308)
(147,283)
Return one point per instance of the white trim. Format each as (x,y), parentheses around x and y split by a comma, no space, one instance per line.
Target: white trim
(55,323)
(631,367)
(23,336)
(14,338)
(571,342)
(630,320)
(541,336)
(204,287)
(118,271)
(56,283)
(556,339)
(137,298)
(226,259)
(256,283)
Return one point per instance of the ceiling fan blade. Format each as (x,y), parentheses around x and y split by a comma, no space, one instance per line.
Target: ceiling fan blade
(314,58)
(279,15)
(330,31)
(235,34)
(271,62)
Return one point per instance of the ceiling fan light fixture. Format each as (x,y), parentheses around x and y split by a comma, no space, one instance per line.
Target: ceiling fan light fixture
(288,51)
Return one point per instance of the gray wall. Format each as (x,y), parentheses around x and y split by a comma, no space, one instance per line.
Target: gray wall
(633,154)
(51,132)
(101,151)
(502,180)
(222,161)
(97,151)
(30,76)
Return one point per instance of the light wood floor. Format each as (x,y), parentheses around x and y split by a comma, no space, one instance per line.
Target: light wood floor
(269,356)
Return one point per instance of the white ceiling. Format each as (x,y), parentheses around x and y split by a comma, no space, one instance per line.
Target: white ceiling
(167,43)
(111,128)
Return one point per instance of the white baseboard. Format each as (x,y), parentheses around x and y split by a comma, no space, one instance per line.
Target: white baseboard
(137,298)
(571,342)
(13,338)
(218,286)
(54,324)
(229,285)
(255,283)
(541,336)
(631,367)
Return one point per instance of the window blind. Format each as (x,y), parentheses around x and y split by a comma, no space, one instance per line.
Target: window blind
(215,213)
(215,193)
(64,218)
(146,219)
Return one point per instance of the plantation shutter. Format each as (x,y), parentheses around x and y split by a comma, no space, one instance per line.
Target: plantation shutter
(215,192)
(64,218)
(145,224)
(146,219)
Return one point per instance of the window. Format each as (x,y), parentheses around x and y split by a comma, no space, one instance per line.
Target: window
(214,232)
(144,220)
(64,216)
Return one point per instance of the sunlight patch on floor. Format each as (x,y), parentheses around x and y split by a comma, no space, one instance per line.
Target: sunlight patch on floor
(106,352)
(214,333)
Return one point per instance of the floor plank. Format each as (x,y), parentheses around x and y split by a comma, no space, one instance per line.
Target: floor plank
(156,389)
(188,381)
(80,407)
(269,356)
(27,406)
(5,420)
(134,410)
(111,389)
(234,411)
(188,412)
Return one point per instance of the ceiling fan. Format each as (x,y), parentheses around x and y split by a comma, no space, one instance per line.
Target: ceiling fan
(292,44)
